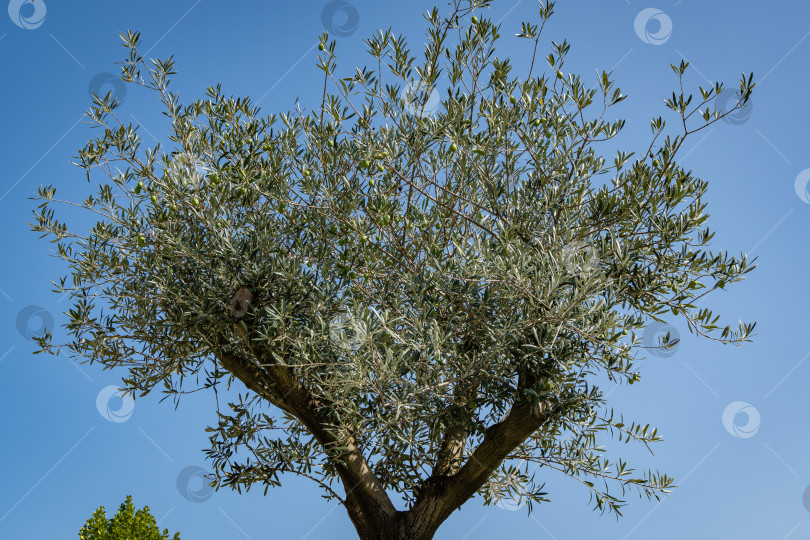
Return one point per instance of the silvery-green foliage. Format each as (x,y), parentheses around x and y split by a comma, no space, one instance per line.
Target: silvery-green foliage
(417,273)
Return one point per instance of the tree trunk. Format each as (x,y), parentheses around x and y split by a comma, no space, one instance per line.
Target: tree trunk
(402,527)
(440,496)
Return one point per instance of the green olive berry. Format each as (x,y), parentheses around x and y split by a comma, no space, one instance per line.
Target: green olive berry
(453,147)
(330,143)
(559,74)
(371,182)
(321,47)
(474,19)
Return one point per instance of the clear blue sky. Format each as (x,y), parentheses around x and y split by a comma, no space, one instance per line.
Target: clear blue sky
(745,478)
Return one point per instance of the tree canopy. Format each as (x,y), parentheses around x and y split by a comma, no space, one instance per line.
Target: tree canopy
(423,282)
(127,524)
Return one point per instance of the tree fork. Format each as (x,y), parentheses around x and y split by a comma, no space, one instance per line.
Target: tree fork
(366,501)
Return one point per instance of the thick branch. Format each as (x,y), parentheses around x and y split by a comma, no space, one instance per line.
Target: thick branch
(451,452)
(442,495)
(455,436)
(366,500)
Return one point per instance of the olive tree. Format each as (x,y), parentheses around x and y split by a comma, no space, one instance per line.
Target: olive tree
(127,524)
(424,282)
